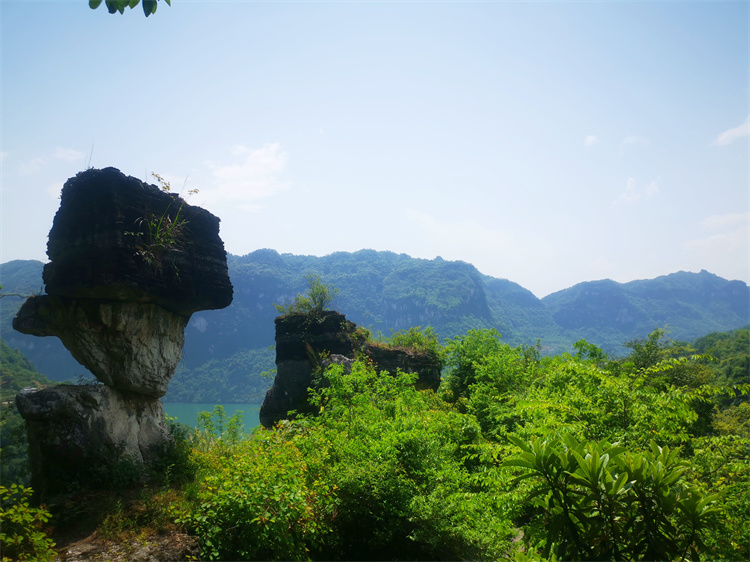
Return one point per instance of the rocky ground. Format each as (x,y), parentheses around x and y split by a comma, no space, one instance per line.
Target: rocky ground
(125,526)
(168,547)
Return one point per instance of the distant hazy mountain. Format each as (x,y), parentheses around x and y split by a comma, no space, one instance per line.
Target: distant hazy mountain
(689,305)
(386,292)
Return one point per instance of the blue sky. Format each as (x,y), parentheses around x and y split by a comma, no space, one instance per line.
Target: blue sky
(548,143)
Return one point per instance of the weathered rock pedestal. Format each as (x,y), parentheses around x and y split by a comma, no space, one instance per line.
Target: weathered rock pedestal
(129,264)
(300,339)
(77,433)
(303,339)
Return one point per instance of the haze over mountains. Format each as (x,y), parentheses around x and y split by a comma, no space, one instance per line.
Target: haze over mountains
(386,292)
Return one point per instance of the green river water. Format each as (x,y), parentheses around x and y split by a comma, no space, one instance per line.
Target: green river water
(187,412)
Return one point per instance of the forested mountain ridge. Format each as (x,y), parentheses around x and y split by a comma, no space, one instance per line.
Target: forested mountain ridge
(385,292)
(688,304)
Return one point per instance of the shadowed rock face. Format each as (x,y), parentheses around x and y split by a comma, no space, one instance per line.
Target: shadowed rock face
(75,432)
(99,234)
(129,264)
(303,342)
(426,365)
(300,338)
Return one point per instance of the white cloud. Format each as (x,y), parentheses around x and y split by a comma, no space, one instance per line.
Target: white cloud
(633,139)
(721,222)
(652,189)
(629,195)
(31,167)
(590,141)
(68,154)
(3,156)
(729,233)
(255,176)
(731,135)
(632,193)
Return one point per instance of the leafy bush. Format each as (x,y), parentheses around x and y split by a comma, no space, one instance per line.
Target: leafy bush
(398,460)
(318,298)
(256,503)
(217,433)
(22,535)
(602,502)
(418,338)
(520,456)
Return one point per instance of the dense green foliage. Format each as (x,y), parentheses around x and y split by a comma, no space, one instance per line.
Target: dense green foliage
(16,373)
(518,456)
(603,502)
(730,349)
(380,472)
(417,338)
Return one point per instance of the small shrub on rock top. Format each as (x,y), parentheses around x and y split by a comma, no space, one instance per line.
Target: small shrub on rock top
(317,298)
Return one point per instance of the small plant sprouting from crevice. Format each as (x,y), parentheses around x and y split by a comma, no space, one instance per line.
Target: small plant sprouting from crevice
(162,234)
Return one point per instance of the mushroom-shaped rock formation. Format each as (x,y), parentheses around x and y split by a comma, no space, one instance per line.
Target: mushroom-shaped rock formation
(129,264)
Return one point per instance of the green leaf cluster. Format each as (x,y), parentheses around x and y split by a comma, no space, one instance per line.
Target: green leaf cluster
(22,535)
(417,338)
(114,6)
(381,471)
(16,373)
(603,502)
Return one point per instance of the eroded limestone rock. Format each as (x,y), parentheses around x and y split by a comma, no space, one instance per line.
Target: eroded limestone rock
(77,431)
(129,346)
(300,339)
(427,366)
(129,264)
(115,237)
(305,342)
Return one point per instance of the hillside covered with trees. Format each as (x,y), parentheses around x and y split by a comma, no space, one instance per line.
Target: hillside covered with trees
(227,350)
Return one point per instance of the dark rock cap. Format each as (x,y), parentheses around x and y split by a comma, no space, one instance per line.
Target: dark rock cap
(114,238)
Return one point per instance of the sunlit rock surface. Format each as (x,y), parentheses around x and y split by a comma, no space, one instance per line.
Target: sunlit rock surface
(129,346)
